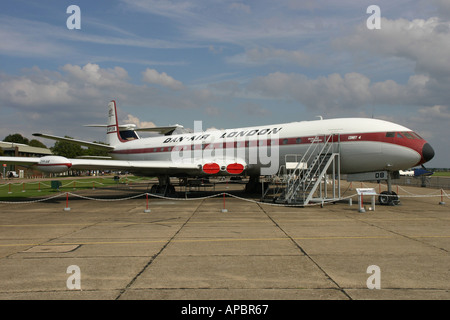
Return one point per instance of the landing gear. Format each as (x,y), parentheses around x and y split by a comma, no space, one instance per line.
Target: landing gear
(253,185)
(163,187)
(388,198)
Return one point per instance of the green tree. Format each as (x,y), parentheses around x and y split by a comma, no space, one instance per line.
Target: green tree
(37,144)
(96,152)
(16,138)
(66,149)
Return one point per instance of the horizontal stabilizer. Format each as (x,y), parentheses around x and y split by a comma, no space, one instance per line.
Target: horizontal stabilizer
(162,130)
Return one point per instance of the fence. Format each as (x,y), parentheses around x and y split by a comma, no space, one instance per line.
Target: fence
(428,182)
(436,193)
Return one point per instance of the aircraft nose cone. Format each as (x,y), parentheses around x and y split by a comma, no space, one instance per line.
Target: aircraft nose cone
(427,152)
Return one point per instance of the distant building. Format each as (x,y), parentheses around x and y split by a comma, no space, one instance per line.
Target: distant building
(12,149)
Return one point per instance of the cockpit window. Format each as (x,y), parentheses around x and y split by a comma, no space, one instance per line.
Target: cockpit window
(405,134)
(390,134)
(408,135)
(416,135)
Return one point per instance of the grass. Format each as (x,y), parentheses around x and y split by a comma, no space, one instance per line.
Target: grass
(441,174)
(16,189)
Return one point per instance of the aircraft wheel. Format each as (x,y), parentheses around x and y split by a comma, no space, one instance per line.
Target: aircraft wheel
(383,198)
(394,199)
(387,198)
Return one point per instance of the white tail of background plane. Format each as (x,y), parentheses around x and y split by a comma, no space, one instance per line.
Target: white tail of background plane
(116,133)
(112,126)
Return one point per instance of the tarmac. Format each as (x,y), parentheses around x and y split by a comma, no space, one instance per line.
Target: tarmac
(191,250)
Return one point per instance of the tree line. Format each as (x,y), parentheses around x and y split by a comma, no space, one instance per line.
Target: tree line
(60,148)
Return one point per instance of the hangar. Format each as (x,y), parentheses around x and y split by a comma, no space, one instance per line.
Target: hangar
(13,149)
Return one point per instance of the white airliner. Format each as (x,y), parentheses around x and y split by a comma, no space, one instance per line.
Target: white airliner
(365,145)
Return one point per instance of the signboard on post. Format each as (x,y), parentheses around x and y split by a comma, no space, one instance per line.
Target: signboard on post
(365,192)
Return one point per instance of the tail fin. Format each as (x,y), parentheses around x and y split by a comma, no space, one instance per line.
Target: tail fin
(112,128)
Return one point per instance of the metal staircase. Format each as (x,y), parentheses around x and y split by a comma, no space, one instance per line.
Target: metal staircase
(306,181)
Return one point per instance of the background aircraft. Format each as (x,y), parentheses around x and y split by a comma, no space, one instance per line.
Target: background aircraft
(416,172)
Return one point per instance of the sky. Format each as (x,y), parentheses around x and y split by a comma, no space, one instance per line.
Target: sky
(227,63)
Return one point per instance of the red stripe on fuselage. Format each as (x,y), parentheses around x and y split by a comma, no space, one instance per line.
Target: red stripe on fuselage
(415,144)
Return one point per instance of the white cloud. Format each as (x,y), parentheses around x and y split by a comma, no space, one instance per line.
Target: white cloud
(254,110)
(335,93)
(438,112)
(92,74)
(60,102)
(426,42)
(332,93)
(26,92)
(154,77)
(432,124)
(212,111)
(130,119)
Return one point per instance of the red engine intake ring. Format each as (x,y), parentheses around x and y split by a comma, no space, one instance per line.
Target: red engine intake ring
(235,168)
(211,168)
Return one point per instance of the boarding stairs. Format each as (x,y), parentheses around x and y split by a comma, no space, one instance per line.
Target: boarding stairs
(305,181)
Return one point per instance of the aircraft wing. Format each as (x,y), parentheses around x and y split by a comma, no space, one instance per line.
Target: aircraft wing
(21,161)
(58,164)
(162,130)
(136,166)
(93,145)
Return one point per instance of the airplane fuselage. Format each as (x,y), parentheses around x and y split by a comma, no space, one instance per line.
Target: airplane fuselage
(364,145)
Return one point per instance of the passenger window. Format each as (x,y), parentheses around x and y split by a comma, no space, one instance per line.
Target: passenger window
(399,135)
(390,134)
